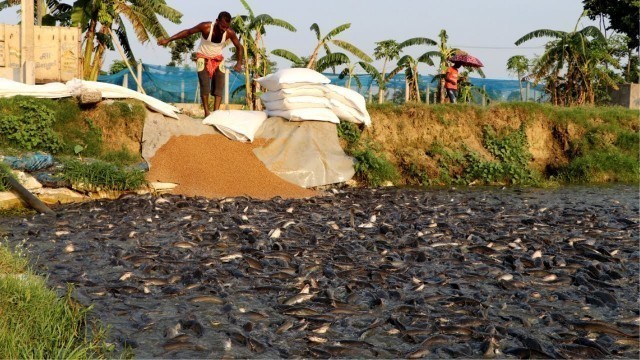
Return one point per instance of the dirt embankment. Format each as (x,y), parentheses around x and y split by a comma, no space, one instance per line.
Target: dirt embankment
(407,133)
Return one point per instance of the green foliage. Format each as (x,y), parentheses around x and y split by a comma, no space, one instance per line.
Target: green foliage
(121,157)
(5,172)
(29,126)
(100,175)
(628,141)
(88,137)
(117,66)
(612,165)
(372,166)
(511,164)
(622,16)
(349,132)
(125,111)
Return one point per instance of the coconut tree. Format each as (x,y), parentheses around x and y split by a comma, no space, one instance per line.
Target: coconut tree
(518,65)
(571,63)
(251,31)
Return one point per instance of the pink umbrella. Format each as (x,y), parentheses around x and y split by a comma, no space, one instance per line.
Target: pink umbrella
(466,60)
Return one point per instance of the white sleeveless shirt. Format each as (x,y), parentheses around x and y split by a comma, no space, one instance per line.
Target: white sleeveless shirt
(210,49)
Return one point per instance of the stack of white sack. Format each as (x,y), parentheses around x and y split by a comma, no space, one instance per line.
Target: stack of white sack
(300,94)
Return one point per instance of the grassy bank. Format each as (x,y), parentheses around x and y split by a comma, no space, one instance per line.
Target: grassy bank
(412,144)
(508,143)
(35,323)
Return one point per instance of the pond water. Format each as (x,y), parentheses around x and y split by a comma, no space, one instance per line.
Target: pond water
(357,273)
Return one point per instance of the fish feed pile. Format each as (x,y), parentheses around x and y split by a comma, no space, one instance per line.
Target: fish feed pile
(213,166)
(359,273)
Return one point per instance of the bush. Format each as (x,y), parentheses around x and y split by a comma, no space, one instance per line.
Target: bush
(30,127)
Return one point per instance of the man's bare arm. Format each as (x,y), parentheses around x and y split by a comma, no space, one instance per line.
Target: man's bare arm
(239,50)
(183,34)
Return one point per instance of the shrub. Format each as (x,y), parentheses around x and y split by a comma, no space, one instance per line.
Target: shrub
(31,127)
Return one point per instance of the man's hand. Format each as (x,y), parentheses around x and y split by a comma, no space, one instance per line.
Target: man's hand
(238,67)
(163,42)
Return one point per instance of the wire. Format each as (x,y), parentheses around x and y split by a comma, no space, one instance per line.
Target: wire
(499,47)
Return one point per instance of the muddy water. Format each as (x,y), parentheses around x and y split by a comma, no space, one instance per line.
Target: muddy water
(384,273)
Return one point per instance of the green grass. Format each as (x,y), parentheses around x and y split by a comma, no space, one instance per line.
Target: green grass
(101,175)
(604,166)
(35,323)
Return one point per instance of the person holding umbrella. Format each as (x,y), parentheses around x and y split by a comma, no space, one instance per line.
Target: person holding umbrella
(461,58)
(451,82)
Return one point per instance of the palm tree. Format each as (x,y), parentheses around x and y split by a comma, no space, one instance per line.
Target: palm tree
(571,63)
(518,65)
(251,30)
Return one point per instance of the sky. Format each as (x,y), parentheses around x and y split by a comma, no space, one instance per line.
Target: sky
(485,29)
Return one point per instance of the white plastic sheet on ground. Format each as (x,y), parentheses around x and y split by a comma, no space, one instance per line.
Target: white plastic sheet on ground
(9,88)
(304,153)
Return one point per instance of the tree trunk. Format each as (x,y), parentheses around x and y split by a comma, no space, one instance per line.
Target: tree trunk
(384,82)
(520,86)
(88,49)
(98,59)
(247,82)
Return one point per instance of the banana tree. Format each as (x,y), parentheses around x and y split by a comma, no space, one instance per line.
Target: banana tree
(390,50)
(324,41)
(410,67)
(349,71)
(443,53)
(571,63)
(251,30)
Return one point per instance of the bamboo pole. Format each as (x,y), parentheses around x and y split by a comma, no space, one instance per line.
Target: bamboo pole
(126,61)
(27,53)
(27,196)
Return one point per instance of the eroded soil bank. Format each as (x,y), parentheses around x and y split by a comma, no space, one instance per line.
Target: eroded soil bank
(360,273)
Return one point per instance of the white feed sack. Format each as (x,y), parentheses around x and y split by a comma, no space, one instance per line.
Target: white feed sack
(289,78)
(291,91)
(239,125)
(308,114)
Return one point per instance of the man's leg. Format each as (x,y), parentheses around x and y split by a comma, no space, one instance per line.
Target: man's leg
(217,88)
(205,86)
(216,102)
(452,95)
(205,104)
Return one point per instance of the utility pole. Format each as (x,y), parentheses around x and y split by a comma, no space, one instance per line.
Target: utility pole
(27,42)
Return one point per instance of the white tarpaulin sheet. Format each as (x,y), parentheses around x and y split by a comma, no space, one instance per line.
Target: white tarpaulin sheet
(9,88)
(304,153)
